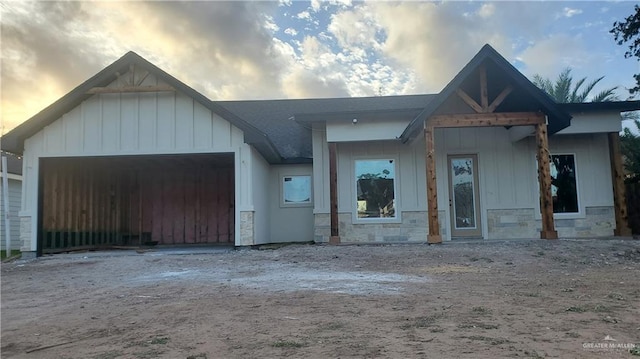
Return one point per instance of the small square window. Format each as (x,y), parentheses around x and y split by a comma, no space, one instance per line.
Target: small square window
(296,190)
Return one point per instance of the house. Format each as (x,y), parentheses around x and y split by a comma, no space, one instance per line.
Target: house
(135,156)
(14,194)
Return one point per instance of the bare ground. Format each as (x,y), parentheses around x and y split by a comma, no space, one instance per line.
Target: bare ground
(492,299)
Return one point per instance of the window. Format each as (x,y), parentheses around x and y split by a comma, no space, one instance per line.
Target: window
(564,190)
(296,190)
(375,188)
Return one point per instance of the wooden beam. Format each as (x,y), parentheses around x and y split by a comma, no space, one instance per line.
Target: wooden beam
(132,72)
(619,189)
(498,100)
(487,119)
(119,79)
(158,88)
(434,236)
(544,179)
(142,78)
(333,193)
(469,101)
(484,94)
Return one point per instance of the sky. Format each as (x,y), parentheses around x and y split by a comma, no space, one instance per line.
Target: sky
(299,49)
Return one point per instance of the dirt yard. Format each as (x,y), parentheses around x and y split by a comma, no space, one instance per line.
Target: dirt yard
(492,299)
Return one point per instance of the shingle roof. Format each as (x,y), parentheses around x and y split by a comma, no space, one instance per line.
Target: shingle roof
(270,127)
(293,139)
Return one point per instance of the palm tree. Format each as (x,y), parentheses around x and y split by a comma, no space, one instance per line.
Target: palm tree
(562,90)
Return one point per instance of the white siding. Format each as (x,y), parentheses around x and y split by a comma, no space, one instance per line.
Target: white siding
(593,167)
(410,169)
(320,170)
(136,124)
(507,170)
(365,130)
(594,123)
(15,188)
(260,189)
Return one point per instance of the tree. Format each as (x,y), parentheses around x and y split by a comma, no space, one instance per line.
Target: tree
(629,31)
(562,90)
(630,148)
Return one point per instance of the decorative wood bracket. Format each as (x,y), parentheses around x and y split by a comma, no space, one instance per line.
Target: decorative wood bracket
(129,84)
(484,106)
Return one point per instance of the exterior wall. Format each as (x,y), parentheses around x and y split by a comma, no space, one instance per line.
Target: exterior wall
(247,229)
(15,189)
(320,170)
(508,185)
(364,130)
(321,227)
(524,223)
(135,124)
(260,192)
(289,224)
(594,123)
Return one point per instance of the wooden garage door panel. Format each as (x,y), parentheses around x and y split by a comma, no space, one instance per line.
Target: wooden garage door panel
(88,205)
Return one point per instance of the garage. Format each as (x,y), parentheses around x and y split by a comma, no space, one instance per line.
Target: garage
(111,201)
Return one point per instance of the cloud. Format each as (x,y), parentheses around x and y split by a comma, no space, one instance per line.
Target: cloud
(355,29)
(304,15)
(223,49)
(487,10)
(434,39)
(237,50)
(566,50)
(270,25)
(39,59)
(569,12)
(290,31)
(301,83)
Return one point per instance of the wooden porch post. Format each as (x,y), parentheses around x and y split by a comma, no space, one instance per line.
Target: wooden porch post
(333,193)
(619,190)
(544,179)
(432,192)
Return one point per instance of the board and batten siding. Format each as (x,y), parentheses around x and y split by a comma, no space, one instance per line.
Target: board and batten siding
(260,192)
(15,190)
(507,170)
(135,124)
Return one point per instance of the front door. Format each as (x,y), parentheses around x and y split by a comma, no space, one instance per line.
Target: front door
(464,201)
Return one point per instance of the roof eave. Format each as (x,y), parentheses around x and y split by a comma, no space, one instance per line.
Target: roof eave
(13,141)
(585,107)
(487,52)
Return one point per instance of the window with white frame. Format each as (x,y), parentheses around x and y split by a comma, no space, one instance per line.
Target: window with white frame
(375,188)
(296,190)
(564,188)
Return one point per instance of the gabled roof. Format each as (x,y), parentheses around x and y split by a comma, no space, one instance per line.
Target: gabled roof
(293,138)
(14,140)
(558,118)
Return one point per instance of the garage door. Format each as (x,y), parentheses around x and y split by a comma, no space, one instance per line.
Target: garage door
(101,202)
